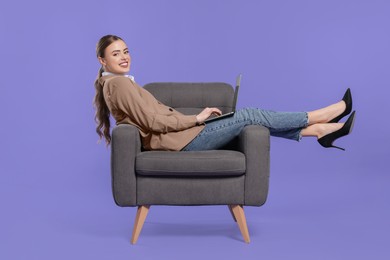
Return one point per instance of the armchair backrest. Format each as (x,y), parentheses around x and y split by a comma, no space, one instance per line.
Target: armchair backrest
(191,98)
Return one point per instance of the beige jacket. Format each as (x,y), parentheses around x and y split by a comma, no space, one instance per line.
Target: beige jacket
(161,127)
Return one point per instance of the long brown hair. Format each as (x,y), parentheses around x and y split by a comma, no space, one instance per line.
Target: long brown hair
(102,116)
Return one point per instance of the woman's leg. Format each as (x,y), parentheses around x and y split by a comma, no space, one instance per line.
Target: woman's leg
(290,125)
(324,115)
(318,119)
(320,130)
(219,133)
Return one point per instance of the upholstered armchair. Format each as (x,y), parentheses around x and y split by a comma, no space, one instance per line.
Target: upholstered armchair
(236,175)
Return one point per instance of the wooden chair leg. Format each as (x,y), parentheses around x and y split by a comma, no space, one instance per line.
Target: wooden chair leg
(238,212)
(142,212)
(231,211)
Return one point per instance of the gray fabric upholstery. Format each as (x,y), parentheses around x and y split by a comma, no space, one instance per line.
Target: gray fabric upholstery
(191,98)
(125,145)
(191,164)
(195,191)
(254,142)
(239,176)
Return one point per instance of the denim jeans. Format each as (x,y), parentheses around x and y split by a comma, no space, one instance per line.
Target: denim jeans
(218,133)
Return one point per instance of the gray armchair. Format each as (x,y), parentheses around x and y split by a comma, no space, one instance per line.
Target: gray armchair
(236,175)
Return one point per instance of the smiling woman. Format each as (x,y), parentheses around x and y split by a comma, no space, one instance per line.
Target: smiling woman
(163,128)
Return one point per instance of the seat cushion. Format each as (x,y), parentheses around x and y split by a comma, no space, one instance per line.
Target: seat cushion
(215,163)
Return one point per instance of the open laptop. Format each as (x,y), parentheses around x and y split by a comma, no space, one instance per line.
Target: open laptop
(238,83)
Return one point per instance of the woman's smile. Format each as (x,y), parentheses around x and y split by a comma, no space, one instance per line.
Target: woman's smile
(124,64)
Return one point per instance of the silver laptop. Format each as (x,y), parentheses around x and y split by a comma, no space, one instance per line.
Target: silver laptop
(238,83)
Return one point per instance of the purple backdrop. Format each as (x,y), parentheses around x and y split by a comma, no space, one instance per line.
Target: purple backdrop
(55,191)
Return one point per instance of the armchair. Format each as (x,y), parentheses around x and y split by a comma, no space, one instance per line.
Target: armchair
(236,175)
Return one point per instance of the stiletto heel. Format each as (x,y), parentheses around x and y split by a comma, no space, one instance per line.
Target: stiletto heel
(348,102)
(327,140)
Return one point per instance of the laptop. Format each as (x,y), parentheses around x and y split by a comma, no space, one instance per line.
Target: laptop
(211,119)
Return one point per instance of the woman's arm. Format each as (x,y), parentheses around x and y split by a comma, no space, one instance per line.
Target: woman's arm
(144,110)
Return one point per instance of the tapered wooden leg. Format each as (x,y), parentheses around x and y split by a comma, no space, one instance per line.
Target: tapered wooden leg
(231,211)
(142,212)
(238,213)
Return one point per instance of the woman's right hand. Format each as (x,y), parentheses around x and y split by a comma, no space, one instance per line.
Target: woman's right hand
(206,113)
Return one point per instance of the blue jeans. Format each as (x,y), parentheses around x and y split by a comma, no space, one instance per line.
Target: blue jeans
(218,133)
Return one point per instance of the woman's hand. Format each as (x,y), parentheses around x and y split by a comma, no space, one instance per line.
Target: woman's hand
(206,113)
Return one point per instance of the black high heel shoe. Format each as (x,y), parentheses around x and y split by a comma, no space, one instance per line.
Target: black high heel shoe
(327,140)
(348,102)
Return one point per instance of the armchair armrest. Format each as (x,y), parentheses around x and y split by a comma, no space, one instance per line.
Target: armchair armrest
(125,145)
(254,142)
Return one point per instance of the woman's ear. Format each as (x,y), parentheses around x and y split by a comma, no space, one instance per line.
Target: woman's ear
(102,61)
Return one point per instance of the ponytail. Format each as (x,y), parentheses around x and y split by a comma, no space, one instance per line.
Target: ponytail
(102,116)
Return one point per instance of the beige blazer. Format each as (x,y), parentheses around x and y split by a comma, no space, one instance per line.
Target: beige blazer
(161,127)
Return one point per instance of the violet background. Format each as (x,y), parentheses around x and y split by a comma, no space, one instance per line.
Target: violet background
(55,190)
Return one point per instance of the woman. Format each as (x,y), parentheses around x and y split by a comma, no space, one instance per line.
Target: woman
(163,128)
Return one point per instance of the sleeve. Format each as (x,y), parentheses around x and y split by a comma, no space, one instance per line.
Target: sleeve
(140,109)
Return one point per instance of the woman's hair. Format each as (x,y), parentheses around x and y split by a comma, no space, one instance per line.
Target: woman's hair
(102,116)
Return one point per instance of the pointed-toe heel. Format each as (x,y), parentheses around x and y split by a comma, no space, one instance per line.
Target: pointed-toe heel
(327,140)
(348,102)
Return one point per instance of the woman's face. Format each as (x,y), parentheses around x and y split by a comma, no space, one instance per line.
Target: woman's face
(116,58)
